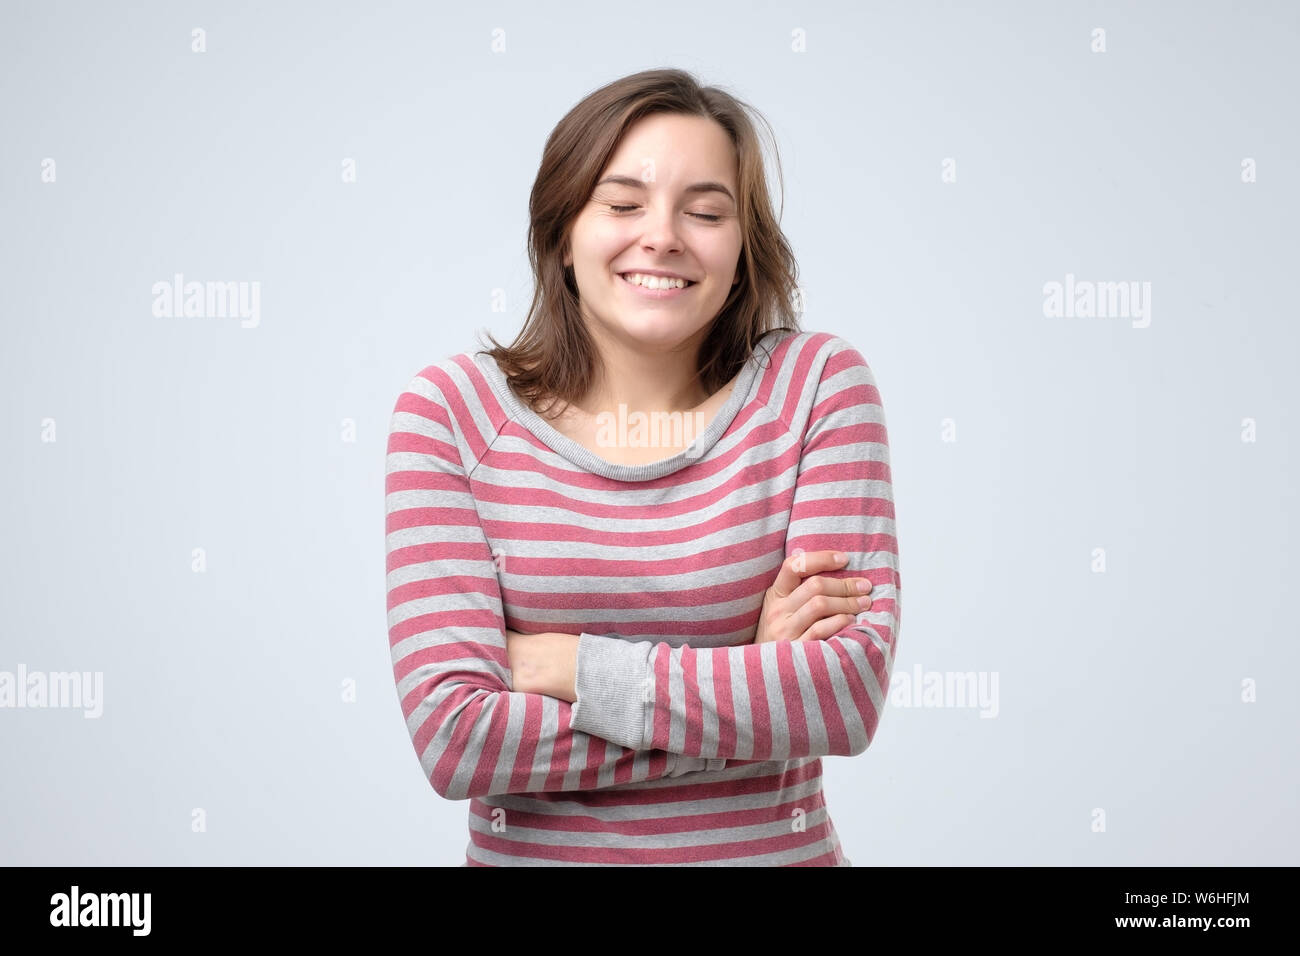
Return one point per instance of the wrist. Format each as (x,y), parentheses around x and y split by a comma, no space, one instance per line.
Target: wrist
(561,666)
(544,663)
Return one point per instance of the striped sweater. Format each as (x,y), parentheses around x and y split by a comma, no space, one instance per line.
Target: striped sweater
(688,743)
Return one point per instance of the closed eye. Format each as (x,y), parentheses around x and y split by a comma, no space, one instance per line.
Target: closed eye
(700,215)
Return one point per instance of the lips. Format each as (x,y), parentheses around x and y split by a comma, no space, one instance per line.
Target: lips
(665,294)
(624,277)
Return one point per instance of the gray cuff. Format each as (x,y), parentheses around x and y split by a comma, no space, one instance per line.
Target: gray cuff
(682,764)
(615,690)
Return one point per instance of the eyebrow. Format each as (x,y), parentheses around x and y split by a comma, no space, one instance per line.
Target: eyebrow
(634,183)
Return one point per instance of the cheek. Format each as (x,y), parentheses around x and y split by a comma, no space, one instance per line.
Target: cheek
(720,252)
(722,269)
(596,229)
(599,249)
(589,238)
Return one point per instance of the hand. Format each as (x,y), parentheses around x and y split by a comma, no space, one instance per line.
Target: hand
(795,609)
(543,663)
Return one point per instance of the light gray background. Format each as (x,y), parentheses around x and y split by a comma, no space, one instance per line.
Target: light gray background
(1119,690)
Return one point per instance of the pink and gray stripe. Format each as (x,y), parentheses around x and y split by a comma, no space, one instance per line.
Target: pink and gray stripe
(687,745)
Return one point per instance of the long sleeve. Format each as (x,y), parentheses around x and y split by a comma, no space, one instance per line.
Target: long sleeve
(473,734)
(778,700)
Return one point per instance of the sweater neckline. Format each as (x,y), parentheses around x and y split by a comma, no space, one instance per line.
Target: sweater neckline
(579,454)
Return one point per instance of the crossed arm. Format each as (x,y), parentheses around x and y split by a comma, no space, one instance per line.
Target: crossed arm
(595,710)
(793,609)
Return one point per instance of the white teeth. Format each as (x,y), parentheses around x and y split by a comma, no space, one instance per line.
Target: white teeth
(654,282)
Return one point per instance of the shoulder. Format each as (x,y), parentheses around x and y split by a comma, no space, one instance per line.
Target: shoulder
(452,400)
(806,359)
(816,377)
(447,381)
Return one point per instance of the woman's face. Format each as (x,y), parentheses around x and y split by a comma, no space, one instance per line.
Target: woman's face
(667,202)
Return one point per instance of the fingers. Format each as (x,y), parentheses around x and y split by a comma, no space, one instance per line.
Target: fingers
(802,563)
(846,588)
(820,597)
(821,606)
(827,627)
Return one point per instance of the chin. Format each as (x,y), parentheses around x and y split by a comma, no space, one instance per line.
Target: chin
(657,331)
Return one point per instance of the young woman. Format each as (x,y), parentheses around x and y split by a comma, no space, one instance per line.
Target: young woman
(642,567)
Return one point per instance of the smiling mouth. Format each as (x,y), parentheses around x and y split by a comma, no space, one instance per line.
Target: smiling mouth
(656,288)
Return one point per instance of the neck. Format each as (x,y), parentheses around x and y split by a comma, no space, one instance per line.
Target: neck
(645,380)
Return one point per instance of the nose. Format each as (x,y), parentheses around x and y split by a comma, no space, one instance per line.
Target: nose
(659,231)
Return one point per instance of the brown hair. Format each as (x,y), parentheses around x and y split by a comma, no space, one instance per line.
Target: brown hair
(553,356)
